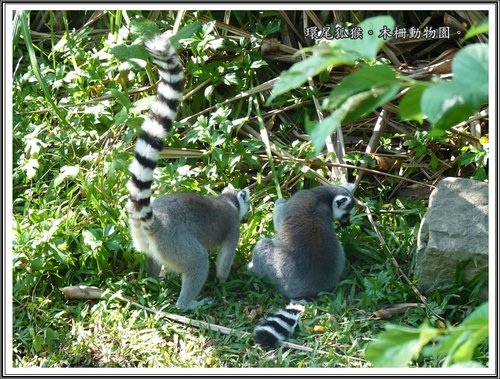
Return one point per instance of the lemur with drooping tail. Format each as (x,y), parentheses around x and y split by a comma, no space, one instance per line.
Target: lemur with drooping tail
(305,256)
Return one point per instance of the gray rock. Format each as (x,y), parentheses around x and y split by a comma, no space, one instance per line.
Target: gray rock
(454,235)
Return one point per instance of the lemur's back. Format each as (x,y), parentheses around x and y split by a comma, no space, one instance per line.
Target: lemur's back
(305,257)
(309,257)
(216,217)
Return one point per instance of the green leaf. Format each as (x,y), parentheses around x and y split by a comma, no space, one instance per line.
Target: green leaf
(371,43)
(120,98)
(187,31)
(474,30)
(459,345)
(398,345)
(378,96)
(142,105)
(59,255)
(356,96)
(257,64)
(319,132)
(131,54)
(470,70)
(445,104)
(92,239)
(439,98)
(463,349)
(122,116)
(409,106)
(301,71)
(449,118)
(356,106)
(466,159)
(339,52)
(449,103)
(364,79)
(37,263)
(144,28)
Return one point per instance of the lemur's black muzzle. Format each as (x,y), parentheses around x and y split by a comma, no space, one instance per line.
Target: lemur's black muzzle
(345,221)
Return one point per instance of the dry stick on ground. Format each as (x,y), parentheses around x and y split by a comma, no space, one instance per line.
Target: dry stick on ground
(291,25)
(94,293)
(314,18)
(221,25)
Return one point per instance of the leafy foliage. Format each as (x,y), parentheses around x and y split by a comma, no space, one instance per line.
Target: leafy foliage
(398,345)
(444,104)
(342,52)
(447,104)
(82,84)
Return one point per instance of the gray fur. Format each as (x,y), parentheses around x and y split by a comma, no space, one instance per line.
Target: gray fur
(177,230)
(185,226)
(305,256)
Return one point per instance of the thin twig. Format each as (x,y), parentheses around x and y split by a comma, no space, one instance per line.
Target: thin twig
(289,157)
(260,88)
(335,172)
(90,292)
(378,129)
(395,263)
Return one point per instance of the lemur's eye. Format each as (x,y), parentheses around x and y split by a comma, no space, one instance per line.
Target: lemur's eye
(341,201)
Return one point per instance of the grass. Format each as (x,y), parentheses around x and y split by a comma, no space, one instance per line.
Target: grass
(70,171)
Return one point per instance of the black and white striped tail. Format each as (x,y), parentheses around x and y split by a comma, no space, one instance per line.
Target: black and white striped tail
(154,129)
(279,326)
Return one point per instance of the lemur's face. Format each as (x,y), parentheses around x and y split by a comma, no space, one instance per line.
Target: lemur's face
(343,207)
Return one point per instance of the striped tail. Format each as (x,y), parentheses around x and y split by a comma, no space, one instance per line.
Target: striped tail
(279,326)
(154,129)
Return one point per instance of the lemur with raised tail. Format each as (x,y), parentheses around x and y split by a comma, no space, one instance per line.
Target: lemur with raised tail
(177,230)
(305,256)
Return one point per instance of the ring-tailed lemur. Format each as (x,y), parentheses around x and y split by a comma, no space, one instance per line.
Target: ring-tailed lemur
(177,229)
(305,256)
